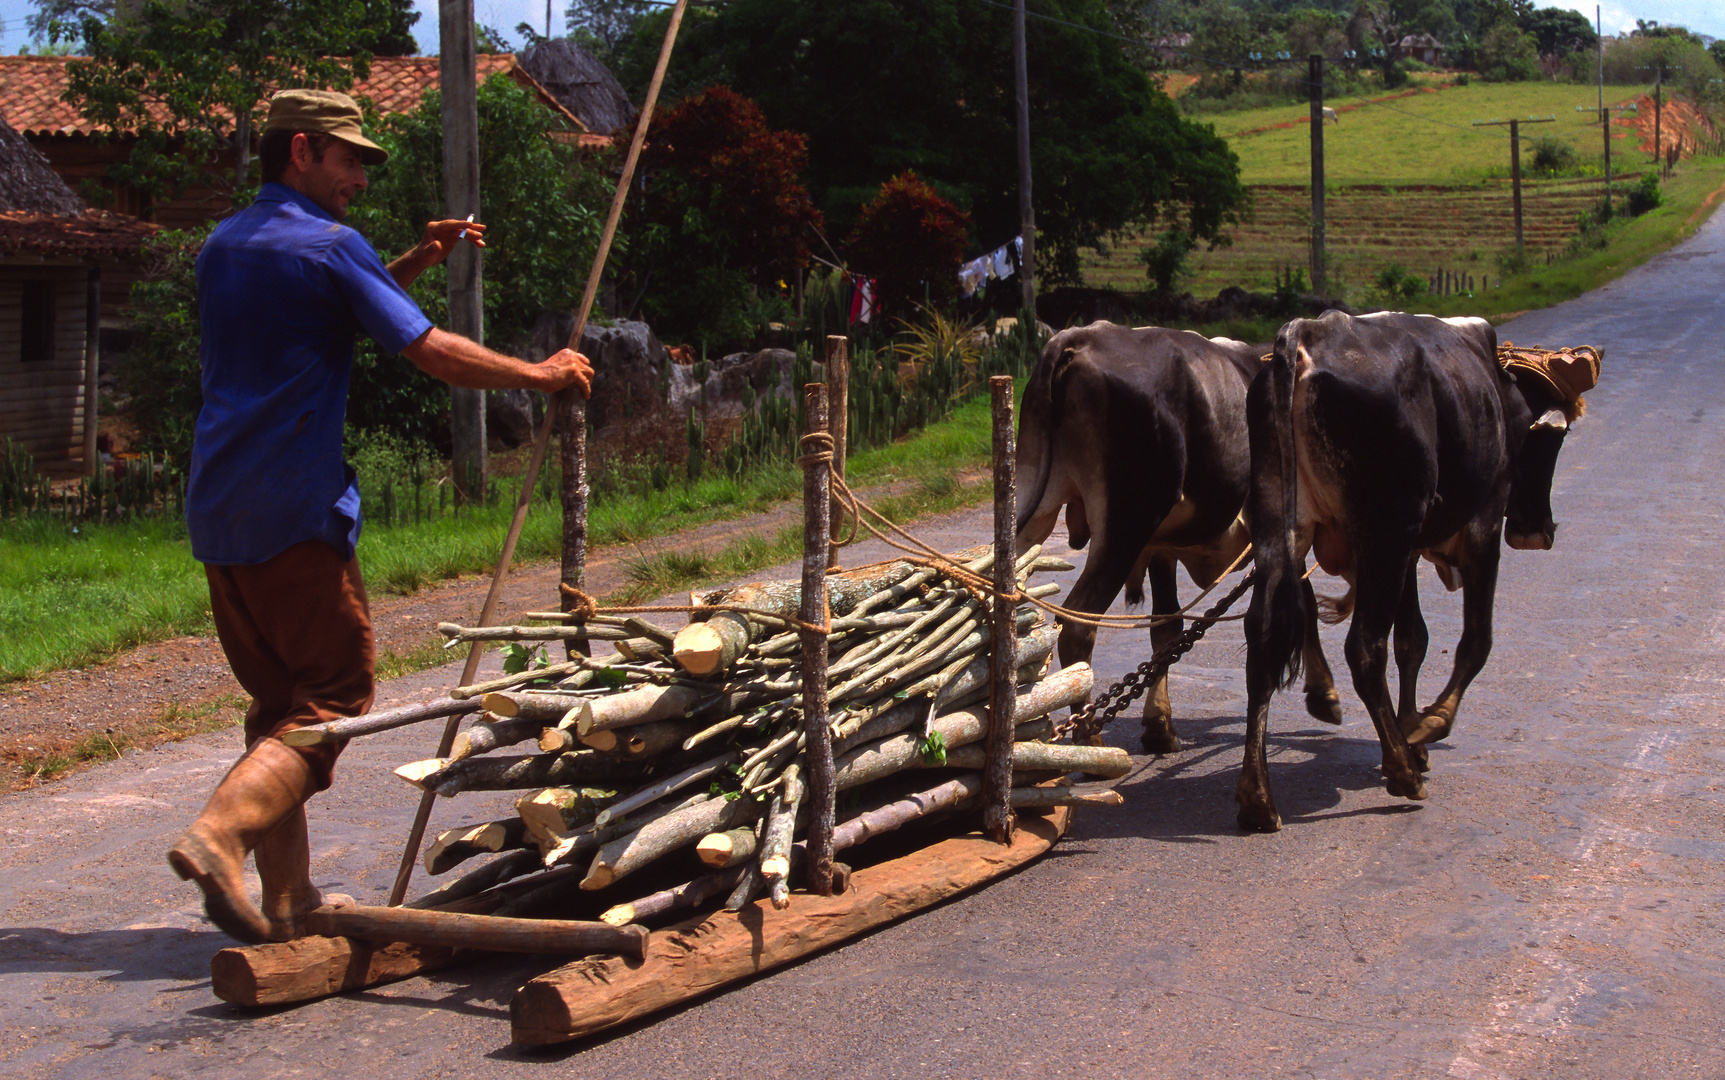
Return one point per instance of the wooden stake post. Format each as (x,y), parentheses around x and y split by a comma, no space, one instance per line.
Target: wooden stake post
(997,816)
(817,505)
(838,395)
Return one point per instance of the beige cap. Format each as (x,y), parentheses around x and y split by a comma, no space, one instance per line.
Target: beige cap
(323,111)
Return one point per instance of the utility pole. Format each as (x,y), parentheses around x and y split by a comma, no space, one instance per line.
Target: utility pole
(1515,163)
(1026,214)
(1315,76)
(461,198)
(1604,117)
(1605,112)
(1658,110)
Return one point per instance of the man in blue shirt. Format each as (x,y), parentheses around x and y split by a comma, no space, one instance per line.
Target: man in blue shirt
(272,507)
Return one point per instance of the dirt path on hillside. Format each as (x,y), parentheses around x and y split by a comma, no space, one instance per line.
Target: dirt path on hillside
(182,686)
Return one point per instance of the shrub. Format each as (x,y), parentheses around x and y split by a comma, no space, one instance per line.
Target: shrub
(1644,196)
(1397,284)
(1552,155)
(1165,260)
(724,218)
(911,239)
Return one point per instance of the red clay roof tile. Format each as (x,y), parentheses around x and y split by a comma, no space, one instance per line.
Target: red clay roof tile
(31,86)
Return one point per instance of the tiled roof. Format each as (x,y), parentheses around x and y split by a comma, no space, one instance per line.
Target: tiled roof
(30,89)
(93,233)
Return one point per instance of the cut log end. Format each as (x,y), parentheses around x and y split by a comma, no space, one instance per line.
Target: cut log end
(699,648)
(500,704)
(775,868)
(621,915)
(555,740)
(415,772)
(598,740)
(598,877)
(306,737)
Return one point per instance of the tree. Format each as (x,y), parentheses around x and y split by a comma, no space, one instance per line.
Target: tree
(1560,31)
(599,26)
(390,25)
(188,80)
(912,241)
(1508,54)
(544,212)
(880,88)
(724,218)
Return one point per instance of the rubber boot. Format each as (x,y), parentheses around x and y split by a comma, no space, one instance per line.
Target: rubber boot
(266,786)
(284,868)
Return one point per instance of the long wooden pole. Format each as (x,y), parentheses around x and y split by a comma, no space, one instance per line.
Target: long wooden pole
(92,365)
(817,732)
(997,816)
(542,441)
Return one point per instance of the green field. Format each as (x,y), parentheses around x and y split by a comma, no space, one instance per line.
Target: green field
(1412,182)
(1427,137)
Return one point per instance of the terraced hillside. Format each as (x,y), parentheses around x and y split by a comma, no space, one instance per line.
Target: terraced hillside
(1422,227)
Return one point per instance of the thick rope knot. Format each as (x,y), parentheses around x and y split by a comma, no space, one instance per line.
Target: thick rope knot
(817,447)
(585,606)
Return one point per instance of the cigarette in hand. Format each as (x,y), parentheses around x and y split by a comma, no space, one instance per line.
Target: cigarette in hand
(462,235)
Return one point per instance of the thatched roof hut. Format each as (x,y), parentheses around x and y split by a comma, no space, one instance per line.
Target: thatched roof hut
(581,84)
(28,182)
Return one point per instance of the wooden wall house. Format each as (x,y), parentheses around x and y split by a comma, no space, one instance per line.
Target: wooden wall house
(53,251)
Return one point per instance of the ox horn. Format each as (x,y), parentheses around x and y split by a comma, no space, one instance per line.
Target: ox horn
(1554,419)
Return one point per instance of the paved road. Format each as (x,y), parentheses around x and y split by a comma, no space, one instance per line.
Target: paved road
(1554,909)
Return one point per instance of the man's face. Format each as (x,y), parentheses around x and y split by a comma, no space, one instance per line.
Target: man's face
(332,182)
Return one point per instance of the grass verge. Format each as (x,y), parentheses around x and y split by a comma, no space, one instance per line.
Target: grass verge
(73,597)
(37,765)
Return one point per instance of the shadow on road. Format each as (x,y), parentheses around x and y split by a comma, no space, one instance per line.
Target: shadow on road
(132,955)
(1188,798)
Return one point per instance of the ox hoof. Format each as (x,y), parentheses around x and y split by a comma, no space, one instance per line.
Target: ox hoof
(1259,819)
(1429,727)
(1324,705)
(1406,787)
(1160,739)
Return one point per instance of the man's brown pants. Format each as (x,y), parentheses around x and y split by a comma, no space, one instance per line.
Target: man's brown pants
(297,633)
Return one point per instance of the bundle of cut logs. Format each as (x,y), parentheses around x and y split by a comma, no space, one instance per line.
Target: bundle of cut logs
(695,739)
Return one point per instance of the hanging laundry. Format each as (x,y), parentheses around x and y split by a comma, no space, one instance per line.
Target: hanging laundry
(1002,261)
(863,299)
(971,276)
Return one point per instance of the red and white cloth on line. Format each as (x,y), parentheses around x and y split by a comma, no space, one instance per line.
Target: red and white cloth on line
(863,299)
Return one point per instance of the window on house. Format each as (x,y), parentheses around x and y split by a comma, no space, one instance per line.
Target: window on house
(36,313)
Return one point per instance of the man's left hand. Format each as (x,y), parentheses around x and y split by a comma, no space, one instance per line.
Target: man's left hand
(439,240)
(441,237)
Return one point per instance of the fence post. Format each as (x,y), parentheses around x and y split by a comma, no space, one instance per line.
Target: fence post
(817,733)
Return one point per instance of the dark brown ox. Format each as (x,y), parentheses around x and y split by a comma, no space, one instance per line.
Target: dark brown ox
(1140,434)
(1376,441)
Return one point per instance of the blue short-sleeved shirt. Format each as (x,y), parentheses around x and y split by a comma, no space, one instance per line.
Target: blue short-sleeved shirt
(282,290)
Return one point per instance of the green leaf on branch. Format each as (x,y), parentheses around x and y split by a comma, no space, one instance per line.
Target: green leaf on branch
(933,750)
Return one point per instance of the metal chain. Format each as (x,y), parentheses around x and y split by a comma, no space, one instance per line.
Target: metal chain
(1084,723)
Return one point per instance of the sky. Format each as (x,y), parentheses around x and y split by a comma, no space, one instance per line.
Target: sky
(1702,16)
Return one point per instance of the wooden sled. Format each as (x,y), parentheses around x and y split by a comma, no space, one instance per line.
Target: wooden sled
(682,961)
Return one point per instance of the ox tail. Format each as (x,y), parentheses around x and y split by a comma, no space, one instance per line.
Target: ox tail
(1278,617)
(1037,417)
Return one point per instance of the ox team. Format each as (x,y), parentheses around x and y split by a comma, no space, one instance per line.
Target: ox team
(1369,442)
